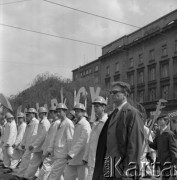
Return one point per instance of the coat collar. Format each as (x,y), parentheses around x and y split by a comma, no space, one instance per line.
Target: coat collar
(44,119)
(104,118)
(122,110)
(81,121)
(165,130)
(32,121)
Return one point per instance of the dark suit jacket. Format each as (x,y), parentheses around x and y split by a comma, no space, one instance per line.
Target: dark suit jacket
(129,140)
(166,145)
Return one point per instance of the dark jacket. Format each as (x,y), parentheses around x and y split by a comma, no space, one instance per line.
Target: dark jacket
(129,140)
(166,145)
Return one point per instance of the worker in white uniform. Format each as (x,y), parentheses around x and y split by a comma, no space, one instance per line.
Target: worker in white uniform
(49,140)
(9,138)
(90,153)
(76,168)
(36,146)
(28,138)
(62,143)
(18,152)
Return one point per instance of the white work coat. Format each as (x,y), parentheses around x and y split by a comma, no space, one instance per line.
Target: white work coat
(30,133)
(49,140)
(43,128)
(10,133)
(90,152)
(20,133)
(63,138)
(80,139)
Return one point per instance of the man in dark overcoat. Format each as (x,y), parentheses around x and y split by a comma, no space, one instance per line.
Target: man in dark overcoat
(120,142)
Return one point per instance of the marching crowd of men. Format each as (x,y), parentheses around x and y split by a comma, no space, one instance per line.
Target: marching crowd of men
(54,144)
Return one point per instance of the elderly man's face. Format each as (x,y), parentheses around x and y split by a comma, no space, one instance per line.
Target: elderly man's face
(118,95)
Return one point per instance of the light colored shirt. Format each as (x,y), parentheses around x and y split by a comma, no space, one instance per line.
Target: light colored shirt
(120,107)
(49,140)
(63,138)
(30,133)
(10,133)
(81,137)
(20,133)
(43,128)
(90,152)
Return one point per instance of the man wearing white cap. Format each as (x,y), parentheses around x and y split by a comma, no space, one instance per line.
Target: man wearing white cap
(18,152)
(9,138)
(36,146)
(76,167)
(28,138)
(49,140)
(62,143)
(90,153)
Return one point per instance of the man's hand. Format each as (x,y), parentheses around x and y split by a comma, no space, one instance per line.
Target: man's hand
(85,162)
(68,157)
(7,145)
(31,148)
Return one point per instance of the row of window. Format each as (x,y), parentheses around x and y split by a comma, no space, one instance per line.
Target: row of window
(88,71)
(117,68)
(164,73)
(164,52)
(152,93)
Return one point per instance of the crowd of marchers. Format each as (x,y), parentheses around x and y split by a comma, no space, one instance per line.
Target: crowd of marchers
(59,144)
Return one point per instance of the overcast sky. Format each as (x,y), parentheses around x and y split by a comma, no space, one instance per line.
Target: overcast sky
(23,55)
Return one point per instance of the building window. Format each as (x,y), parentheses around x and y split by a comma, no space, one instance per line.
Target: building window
(141,77)
(117,67)
(81,74)
(175,67)
(117,77)
(130,78)
(151,54)
(96,80)
(140,58)
(131,62)
(164,50)
(176,46)
(87,72)
(107,71)
(141,96)
(90,71)
(152,74)
(165,92)
(96,68)
(152,94)
(132,95)
(107,83)
(76,76)
(164,70)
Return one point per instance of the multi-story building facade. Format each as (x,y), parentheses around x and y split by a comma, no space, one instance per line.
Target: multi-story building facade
(146,58)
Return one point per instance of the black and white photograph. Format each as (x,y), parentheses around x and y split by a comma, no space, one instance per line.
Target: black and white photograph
(88,90)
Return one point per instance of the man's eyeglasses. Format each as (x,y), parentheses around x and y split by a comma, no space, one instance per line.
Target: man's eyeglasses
(115,92)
